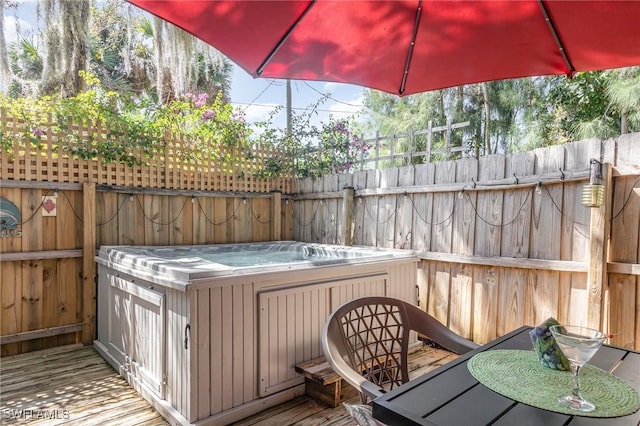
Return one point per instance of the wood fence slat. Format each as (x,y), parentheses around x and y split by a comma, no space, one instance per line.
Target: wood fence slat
(511,304)
(441,238)
(546,219)
(485,294)
(403,238)
(625,233)
(387,209)
(87,294)
(623,294)
(11,304)
(32,275)
(423,208)
(225,211)
(320,209)
(11,279)
(486,288)
(50,296)
(359,182)
(461,293)
(331,212)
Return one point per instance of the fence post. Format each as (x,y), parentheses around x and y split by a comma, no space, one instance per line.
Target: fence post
(597,276)
(410,137)
(276,216)
(428,147)
(88,264)
(362,151)
(377,150)
(347,210)
(447,139)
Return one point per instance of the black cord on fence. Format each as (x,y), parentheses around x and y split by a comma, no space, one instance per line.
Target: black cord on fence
(626,201)
(313,216)
(391,216)
(155,222)
(415,209)
(501,225)
(115,215)
(257,217)
(75,213)
(572,219)
(317,205)
(208,219)
(36,210)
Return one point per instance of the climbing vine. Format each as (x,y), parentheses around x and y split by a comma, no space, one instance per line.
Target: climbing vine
(121,125)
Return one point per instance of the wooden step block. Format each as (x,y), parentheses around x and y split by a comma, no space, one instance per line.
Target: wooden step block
(321,382)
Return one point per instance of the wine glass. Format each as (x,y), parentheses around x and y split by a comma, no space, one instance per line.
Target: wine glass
(578,344)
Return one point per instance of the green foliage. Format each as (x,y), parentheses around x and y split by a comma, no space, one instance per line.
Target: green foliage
(333,147)
(130,125)
(519,114)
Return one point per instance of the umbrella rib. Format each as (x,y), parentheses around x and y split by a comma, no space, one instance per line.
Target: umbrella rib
(411,45)
(554,33)
(284,38)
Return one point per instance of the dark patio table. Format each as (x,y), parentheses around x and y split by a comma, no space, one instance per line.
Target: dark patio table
(450,395)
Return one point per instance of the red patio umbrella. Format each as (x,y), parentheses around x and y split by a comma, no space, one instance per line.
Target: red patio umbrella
(405,47)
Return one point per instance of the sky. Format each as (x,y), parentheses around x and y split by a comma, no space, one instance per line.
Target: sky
(255,97)
(258,97)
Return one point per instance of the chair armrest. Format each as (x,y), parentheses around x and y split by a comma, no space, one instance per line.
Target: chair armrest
(338,364)
(434,330)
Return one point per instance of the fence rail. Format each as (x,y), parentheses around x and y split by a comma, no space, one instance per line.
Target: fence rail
(413,147)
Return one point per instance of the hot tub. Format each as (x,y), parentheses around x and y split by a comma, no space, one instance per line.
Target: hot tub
(211,334)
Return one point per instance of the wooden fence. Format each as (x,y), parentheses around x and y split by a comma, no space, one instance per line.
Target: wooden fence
(48,273)
(52,155)
(505,240)
(412,147)
(496,253)
(47,267)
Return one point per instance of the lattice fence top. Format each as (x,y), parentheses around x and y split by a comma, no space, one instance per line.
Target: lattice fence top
(65,155)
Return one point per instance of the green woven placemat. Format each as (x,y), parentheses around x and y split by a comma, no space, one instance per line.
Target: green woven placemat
(520,376)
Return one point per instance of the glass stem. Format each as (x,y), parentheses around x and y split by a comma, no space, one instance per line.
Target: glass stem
(575,373)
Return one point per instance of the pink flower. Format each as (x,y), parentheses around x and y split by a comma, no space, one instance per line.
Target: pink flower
(208,115)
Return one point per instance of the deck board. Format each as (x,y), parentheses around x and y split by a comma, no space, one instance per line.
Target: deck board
(70,385)
(77,387)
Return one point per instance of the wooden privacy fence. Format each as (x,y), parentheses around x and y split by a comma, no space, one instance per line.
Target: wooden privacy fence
(496,252)
(504,240)
(47,267)
(48,272)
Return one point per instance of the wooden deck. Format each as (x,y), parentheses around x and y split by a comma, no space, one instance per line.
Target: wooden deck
(70,385)
(73,385)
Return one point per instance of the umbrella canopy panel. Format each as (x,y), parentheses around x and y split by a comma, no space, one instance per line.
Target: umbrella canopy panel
(406,47)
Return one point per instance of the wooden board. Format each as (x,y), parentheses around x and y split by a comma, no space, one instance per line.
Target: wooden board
(331,211)
(463,241)
(370,207)
(441,237)
(359,182)
(387,209)
(423,208)
(403,238)
(319,211)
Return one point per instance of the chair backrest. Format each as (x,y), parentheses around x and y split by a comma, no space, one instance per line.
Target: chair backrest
(366,341)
